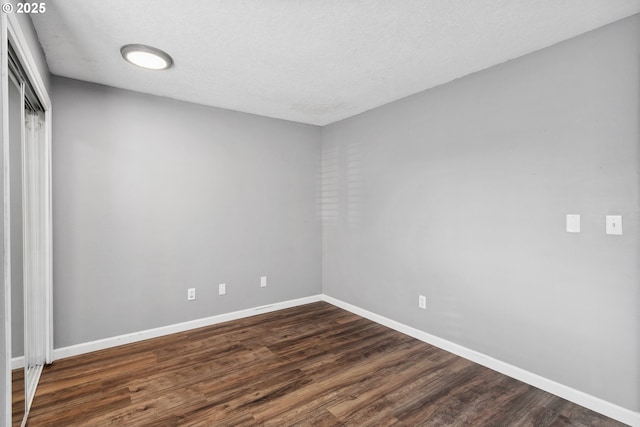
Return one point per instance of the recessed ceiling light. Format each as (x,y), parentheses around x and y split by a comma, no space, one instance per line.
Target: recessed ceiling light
(146,56)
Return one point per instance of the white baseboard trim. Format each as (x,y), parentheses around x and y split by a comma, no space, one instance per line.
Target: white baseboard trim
(78,349)
(588,401)
(17,362)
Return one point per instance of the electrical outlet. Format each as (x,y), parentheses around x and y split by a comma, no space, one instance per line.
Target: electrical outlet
(263,281)
(222,289)
(422,302)
(191,294)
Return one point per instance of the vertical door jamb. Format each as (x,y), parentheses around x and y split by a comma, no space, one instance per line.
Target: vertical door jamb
(6,192)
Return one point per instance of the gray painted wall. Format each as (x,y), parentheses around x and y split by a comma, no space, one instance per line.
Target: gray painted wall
(460,193)
(152,196)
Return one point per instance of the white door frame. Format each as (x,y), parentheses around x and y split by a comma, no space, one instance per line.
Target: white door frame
(6,191)
(10,30)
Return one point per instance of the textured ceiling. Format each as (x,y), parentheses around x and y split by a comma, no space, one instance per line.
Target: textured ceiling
(310,61)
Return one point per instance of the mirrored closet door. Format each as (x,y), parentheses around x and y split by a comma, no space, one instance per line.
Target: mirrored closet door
(30,234)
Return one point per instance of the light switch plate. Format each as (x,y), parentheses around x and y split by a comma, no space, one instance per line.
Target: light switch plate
(614,224)
(222,289)
(422,302)
(263,281)
(573,223)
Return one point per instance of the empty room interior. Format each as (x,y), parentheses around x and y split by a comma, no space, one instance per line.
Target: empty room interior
(320,213)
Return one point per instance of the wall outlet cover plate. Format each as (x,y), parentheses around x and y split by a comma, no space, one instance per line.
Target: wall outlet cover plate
(614,224)
(573,223)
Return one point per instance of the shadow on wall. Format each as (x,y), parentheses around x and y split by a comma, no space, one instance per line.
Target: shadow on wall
(329,187)
(354,184)
(341,187)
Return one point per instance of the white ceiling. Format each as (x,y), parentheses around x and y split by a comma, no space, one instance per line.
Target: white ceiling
(310,61)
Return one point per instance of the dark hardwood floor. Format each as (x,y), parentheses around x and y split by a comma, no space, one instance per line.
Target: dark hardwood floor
(309,365)
(17,396)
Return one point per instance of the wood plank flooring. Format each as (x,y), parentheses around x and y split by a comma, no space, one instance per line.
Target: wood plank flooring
(17,396)
(313,365)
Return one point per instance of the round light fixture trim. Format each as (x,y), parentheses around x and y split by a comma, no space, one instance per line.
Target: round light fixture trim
(147,57)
